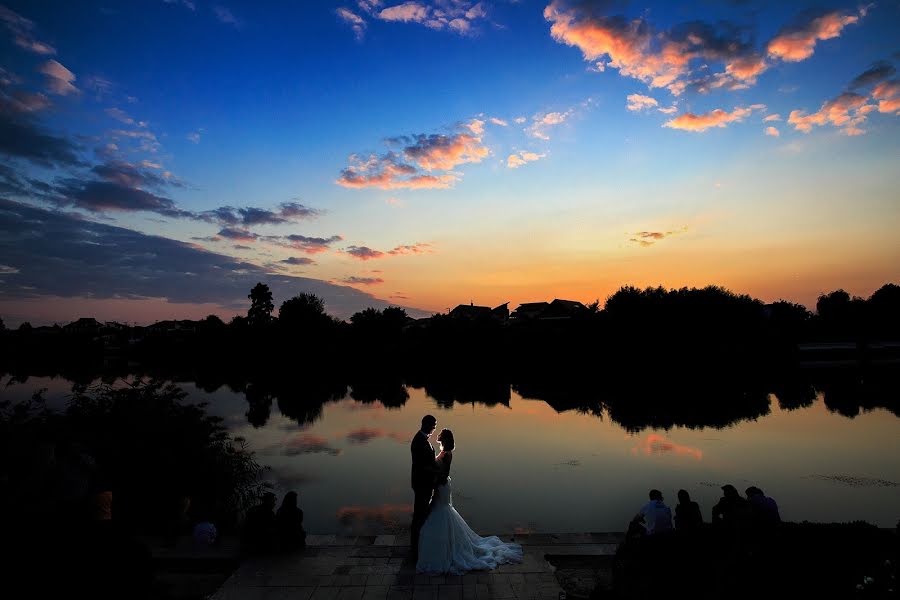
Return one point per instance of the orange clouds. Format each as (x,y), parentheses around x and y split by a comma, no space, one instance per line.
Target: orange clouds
(388,172)
(888,95)
(442,152)
(798,43)
(847,111)
(772,131)
(626,43)
(680,57)
(434,152)
(715,118)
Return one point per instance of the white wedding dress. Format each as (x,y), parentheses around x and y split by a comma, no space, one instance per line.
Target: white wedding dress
(448,545)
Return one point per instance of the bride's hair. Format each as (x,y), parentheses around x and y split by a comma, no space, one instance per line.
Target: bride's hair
(445,437)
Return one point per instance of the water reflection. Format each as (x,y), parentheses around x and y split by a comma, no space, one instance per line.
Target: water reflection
(529,445)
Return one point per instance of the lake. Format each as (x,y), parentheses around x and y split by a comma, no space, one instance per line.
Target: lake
(524,466)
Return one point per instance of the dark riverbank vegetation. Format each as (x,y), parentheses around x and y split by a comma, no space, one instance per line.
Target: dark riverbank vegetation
(84,486)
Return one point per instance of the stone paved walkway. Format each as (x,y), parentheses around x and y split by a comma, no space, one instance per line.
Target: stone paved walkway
(377,568)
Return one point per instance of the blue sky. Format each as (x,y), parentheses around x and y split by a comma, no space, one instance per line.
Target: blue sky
(427,153)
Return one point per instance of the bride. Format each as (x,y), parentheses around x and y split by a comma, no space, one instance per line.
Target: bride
(446,543)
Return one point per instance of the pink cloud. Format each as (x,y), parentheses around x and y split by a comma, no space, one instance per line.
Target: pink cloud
(772,131)
(638,102)
(888,95)
(21,30)
(442,152)
(389,172)
(25,102)
(715,118)
(354,280)
(310,245)
(457,16)
(428,152)
(417,248)
(799,42)
(514,161)
(628,44)
(847,111)
(406,12)
(59,78)
(772,118)
(356,22)
(363,252)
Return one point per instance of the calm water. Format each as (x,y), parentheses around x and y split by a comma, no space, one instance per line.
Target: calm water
(526,467)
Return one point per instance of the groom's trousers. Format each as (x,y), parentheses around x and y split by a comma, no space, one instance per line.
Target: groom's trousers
(421,506)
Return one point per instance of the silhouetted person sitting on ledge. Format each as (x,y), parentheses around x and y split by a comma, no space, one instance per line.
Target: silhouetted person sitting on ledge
(688,519)
(655,515)
(731,510)
(259,526)
(763,510)
(289,522)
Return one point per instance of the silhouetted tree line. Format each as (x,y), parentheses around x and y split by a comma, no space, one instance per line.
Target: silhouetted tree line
(704,357)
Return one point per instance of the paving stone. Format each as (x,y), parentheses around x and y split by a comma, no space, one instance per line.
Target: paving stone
(425,592)
(325,593)
(501,590)
(289,593)
(400,593)
(450,592)
(351,593)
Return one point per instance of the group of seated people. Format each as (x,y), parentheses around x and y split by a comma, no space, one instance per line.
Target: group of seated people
(733,511)
(266,531)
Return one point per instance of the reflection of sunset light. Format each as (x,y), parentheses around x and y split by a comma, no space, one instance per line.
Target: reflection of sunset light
(658,444)
(364,435)
(388,515)
(308,443)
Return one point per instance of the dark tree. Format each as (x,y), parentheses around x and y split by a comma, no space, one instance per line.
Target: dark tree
(833,306)
(2,325)
(25,327)
(301,310)
(261,306)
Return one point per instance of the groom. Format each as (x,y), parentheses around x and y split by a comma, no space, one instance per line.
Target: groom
(423,470)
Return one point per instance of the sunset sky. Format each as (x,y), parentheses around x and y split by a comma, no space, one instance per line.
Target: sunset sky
(159,157)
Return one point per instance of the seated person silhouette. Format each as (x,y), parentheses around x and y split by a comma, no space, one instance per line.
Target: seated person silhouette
(289,524)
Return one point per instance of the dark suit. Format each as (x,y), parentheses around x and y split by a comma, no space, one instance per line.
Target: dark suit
(422,480)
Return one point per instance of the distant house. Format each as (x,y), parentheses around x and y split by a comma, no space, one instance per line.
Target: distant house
(472,312)
(83,325)
(545,311)
(529,310)
(563,309)
(174,327)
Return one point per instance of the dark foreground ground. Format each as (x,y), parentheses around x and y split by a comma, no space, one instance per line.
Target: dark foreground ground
(799,560)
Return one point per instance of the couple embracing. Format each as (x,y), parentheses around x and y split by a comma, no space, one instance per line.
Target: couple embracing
(442,542)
